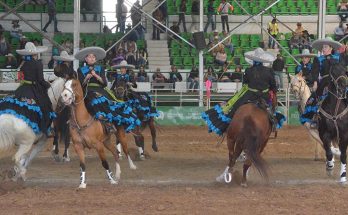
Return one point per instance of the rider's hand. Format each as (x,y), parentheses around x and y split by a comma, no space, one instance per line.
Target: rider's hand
(315,86)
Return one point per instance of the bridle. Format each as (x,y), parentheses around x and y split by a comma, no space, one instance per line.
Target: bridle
(338,95)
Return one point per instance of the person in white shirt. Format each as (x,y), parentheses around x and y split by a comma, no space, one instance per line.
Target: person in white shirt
(223,9)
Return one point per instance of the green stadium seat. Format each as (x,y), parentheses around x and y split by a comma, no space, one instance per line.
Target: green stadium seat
(177,61)
(188,61)
(291,70)
(175,52)
(185,52)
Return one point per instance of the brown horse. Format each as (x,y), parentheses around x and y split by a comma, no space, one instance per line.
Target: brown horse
(249,131)
(87,132)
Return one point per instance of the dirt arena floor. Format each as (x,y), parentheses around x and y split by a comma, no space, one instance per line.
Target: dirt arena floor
(180,179)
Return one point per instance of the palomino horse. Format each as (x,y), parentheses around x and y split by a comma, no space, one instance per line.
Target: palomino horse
(124,91)
(87,132)
(333,120)
(302,92)
(15,131)
(249,131)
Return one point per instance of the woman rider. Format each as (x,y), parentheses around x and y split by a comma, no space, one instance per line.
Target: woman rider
(64,67)
(30,101)
(99,101)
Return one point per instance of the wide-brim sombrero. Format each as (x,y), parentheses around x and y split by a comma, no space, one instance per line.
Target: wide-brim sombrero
(98,52)
(64,56)
(305,53)
(318,44)
(259,55)
(123,64)
(31,49)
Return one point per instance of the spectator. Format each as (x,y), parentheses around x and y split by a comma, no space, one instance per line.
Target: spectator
(158,77)
(90,6)
(141,57)
(11,62)
(68,45)
(106,30)
(193,78)
(218,48)
(182,11)
(52,16)
(120,56)
(223,74)
(210,75)
(214,36)
(131,50)
(121,15)
(16,31)
(223,9)
(174,75)
(5,47)
(221,57)
(142,75)
(298,31)
(228,42)
(176,29)
(135,13)
(306,41)
(273,30)
(157,14)
(237,75)
(339,31)
(133,35)
(195,15)
(278,67)
(342,10)
(211,12)
(164,11)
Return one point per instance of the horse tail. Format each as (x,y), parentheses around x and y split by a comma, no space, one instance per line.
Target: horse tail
(7,132)
(252,146)
(61,124)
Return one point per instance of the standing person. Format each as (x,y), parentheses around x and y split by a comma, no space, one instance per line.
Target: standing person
(16,31)
(52,16)
(121,15)
(157,14)
(182,12)
(273,30)
(278,66)
(258,80)
(30,100)
(223,9)
(98,99)
(135,13)
(211,13)
(195,15)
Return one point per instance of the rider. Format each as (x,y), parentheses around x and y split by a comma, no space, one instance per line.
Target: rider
(321,77)
(30,101)
(304,69)
(64,67)
(141,101)
(257,82)
(100,102)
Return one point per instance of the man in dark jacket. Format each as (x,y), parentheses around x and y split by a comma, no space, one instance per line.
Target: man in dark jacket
(52,15)
(278,66)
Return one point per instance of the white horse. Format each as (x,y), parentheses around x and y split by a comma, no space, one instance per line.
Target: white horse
(16,132)
(301,91)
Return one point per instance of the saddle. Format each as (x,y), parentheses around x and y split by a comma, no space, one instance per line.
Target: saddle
(273,116)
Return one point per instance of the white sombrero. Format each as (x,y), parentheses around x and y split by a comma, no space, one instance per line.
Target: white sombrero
(97,51)
(122,65)
(318,44)
(64,56)
(305,53)
(31,49)
(260,55)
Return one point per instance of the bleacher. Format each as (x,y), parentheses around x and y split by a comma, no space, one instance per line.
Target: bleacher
(285,7)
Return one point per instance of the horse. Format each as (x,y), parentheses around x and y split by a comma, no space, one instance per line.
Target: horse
(300,89)
(123,90)
(15,131)
(333,118)
(88,132)
(61,134)
(249,131)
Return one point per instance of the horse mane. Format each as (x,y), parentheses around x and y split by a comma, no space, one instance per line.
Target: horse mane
(54,91)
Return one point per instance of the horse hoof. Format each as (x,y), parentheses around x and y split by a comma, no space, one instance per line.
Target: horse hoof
(113,182)
(244,184)
(82,186)
(220,179)
(133,167)
(66,159)
(329,172)
(154,148)
(55,156)
(142,157)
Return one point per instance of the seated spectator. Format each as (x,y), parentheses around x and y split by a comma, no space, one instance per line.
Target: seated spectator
(210,75)
(306,41)
(237,75)
(120,56)
(228,42)
(16,31)
(214,36)
(68,45)
(217,48)
(339,31)
(223,74)
(11,62)
(141,57)
(221,57)
(131,49)
(342,10)
(5,47)
(142,75)
(158,77)
(298,31)
(193,78)
(174,75)
(106,30)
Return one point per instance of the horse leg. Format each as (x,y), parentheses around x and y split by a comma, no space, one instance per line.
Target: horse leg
(246,166)
(101,153)
(111,148)
(121,136)
(20,158)
(36,149)
(343,157)
(81,153)
(330,163)
(118,147)
(153,133)
(55,150)
(139,141)
(66,157)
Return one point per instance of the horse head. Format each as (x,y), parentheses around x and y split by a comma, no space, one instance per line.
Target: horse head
(120,89)
(57,87)
(339,80)
(72,93)
(298,85)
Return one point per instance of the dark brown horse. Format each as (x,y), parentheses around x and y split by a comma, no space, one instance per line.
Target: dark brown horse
(249,131)
(86,132)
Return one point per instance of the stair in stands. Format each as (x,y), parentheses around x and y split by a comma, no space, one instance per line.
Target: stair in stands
(158,55)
